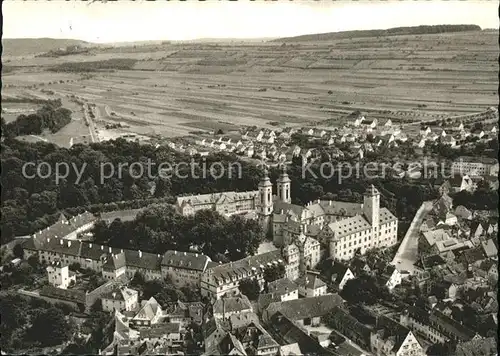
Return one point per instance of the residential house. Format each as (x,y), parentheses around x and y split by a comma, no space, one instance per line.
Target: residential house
(170,332)
(223,308)
(284,288)
(349,326)
(121,299)
(60,276)
(418,321)
(463,213)
(449,327)
(341,273)
(293,336)
(183,313)
(224,279)
(391,277)
(184,268)
(114,266)
(311,285)
(149,313)
(305,311)
(392,338)
(477,347)
(490,249)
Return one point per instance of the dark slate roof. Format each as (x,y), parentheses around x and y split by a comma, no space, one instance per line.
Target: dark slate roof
(114,262)
(144,260)
(288,332)
(451,326)
(228,305)
(281,286)
(388,328)
(310,281)
(186,260)
(71,295)
(299,309)
(64,227)
(338,270)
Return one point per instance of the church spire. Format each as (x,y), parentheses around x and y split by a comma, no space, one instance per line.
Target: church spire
(284,184)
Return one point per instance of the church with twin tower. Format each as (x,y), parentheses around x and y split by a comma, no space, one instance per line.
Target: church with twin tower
(345,228)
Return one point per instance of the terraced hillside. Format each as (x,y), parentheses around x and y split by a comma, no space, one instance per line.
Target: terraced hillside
(176,88)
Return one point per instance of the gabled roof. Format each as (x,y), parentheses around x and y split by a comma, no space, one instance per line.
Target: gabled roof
(389,329)
(288,332)
(232,305)
(451,326)
(489,248)
(299,309)
(160,330)
(310,281)
(144,260)
(338,271)
(349,226)
(244,267)
(148,310)
(281,286)
(481,347)
(120,293)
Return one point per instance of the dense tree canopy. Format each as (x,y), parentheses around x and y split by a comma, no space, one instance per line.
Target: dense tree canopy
(250,287)
(29,322)
(30,204)
(160,228)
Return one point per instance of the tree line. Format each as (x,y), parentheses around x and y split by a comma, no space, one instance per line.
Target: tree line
(30,204)
(50,116)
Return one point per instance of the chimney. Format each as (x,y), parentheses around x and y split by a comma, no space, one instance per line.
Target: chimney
(140,254)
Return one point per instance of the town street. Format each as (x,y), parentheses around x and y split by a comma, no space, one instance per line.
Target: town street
(407,254)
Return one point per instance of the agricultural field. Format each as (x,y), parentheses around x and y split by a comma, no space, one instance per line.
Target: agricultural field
(174,89)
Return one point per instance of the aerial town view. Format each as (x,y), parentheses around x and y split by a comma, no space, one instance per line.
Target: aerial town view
(249,178)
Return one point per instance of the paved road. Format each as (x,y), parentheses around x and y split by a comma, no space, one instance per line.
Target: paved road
(92,128)
(407,254)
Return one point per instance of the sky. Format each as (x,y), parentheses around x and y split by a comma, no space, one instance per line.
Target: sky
(127,21)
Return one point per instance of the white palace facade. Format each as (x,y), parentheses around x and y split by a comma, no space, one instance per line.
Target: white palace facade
(343,228)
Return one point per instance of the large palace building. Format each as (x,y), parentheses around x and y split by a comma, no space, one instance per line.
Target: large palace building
(343,228)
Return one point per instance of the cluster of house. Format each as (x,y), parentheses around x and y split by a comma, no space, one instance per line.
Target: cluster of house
(360,136)
(148,327)
(458,253)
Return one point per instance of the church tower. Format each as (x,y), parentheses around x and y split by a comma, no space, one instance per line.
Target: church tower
(371,206)
(284,183)
(265,209)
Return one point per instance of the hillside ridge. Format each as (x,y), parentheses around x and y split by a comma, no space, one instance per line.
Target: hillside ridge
(396,31)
